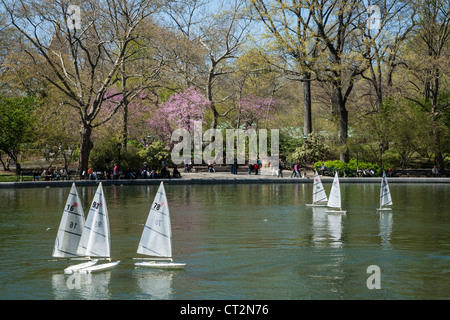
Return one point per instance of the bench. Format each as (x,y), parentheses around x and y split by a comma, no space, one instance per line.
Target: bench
(347,172)
(200,169)
(30,173)
(419,173)
(220,168)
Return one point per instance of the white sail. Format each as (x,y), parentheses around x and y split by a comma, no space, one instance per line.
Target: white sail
(156,239)
(319,194)
(95,240)
(335,194)
(385,194)
(70,227)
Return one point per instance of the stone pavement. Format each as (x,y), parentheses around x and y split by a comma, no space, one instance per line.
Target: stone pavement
(265,176)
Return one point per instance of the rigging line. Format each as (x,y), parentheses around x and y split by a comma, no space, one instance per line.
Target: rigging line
(96,232)
(148,249)
(75,213)
(322,190)
(384,194)
(160,233)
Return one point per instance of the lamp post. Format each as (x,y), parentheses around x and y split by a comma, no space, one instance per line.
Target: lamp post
(147,140)
(381,159)
(119,146)
(305,137)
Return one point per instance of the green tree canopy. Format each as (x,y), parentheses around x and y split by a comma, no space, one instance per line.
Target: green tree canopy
(16,125)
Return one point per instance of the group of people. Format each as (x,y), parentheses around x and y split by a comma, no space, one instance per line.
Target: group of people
(144,173)
(296,170)
(50,174)
(254,167)
(368,172)
(149,173)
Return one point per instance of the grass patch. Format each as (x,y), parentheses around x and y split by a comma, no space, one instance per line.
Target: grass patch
(11,177)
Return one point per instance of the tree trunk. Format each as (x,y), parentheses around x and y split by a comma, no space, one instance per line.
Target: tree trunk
(307,128)
(5,165)
(438,157)
(125,124)
(86,147)
(343,134)
(209,95)
(125,108)
(343,125)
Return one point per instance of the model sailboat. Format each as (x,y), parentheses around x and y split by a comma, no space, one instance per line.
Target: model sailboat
(335,197)
(95,240)
(319,196)
(385,194)
(156,239)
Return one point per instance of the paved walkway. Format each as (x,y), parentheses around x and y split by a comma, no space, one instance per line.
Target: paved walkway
(265,176)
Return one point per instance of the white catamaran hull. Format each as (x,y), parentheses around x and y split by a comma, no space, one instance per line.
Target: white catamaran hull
(160,265)
(100,267)
(384,209)
(315,205)
(337,211)
(78,267)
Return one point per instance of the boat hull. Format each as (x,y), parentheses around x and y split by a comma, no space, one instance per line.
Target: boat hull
(336,211)
(100,267)
(78,267)
(384,209)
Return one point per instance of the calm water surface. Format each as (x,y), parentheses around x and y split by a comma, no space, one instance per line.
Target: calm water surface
(239,242)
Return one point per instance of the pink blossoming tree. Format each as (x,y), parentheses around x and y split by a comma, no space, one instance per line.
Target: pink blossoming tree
(254,111)
(181,110)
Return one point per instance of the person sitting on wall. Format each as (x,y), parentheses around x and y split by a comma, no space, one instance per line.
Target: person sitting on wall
(322,169)
(390,172)
(176,173)
(435,171)
(164,172)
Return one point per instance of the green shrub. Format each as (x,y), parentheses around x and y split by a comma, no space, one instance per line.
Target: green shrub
(348,168)
(155,154)
(313,148)
(105,154)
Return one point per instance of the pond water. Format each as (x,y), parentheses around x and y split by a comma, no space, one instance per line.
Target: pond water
(239,242)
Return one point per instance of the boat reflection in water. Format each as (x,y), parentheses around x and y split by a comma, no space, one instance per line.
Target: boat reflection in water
(154,284)
(327,228)
(386,220)
(82,286)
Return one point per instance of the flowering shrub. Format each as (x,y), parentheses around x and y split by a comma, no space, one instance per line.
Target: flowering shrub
(254,109)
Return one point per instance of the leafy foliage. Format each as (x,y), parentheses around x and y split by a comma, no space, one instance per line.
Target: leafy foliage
(349,169)
(155,154)
(105,155)
(16,124)
(313,149)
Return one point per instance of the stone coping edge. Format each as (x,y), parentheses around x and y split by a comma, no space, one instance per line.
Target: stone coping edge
(209,181)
